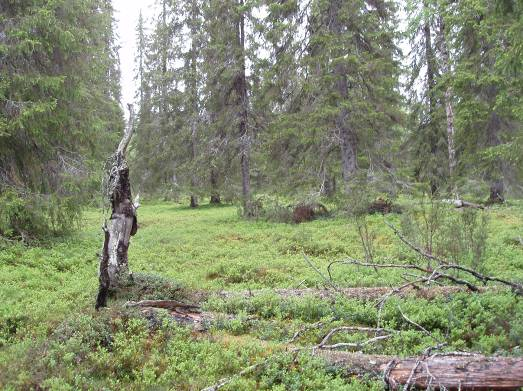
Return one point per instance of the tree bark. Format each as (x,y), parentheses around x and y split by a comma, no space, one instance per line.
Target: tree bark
(194,101)
(122,223)
(241,92)
(437,372)
(445,59)
(349,162)
(194,179)
(215,195)
(194,201)
(496,170)
(431,93)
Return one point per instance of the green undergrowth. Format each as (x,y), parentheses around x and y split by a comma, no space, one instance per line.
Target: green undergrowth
(491,323)
(51,337)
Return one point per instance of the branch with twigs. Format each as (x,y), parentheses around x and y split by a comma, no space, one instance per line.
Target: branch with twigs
(380,335)
(318,271)
(433,274)
(444,264)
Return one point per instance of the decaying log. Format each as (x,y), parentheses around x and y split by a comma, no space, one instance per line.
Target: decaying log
(172,305)
(452,371)
(184,314)
(466,204)
(122,223)
(437,372)
(370,293)
(449,371)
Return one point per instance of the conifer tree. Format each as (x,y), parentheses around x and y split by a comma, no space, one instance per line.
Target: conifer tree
(59,111)
(426,104)
(488,83)
(352,79)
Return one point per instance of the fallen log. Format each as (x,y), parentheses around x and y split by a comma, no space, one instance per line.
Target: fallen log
(184,314)
(466,204)
(451,371)
(172,305)
(363,293)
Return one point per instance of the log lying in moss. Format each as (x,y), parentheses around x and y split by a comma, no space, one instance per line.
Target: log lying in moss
(184,314)
(352,293)
(437,372)
(451,371)
(172,305)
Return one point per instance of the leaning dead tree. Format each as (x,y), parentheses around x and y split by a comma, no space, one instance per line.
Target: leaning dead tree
(122,224)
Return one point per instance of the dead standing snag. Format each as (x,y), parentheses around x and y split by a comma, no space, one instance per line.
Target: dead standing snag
(122,224)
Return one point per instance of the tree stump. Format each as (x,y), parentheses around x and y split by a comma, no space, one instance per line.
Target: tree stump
(123,221)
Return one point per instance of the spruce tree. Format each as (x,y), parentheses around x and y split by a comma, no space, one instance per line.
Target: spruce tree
(59,108)
(488,84)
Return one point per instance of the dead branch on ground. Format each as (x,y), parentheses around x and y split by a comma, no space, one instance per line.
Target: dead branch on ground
(380,335)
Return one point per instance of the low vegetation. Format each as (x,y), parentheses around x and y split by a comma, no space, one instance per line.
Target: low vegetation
(52,338)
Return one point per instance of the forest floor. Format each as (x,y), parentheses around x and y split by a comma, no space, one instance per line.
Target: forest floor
(52,338)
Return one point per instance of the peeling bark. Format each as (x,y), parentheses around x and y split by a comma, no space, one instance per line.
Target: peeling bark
(437,372)
(122,223)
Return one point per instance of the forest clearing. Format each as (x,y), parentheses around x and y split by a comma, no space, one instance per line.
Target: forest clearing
(261,195)
(53,337)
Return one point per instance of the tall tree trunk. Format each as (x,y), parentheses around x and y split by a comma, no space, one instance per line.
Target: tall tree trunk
(215,195)
(431,84)
(445,59)
(165,45)
(241,91)
(194,101)
(122,224)
(349,163)
(495,172)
